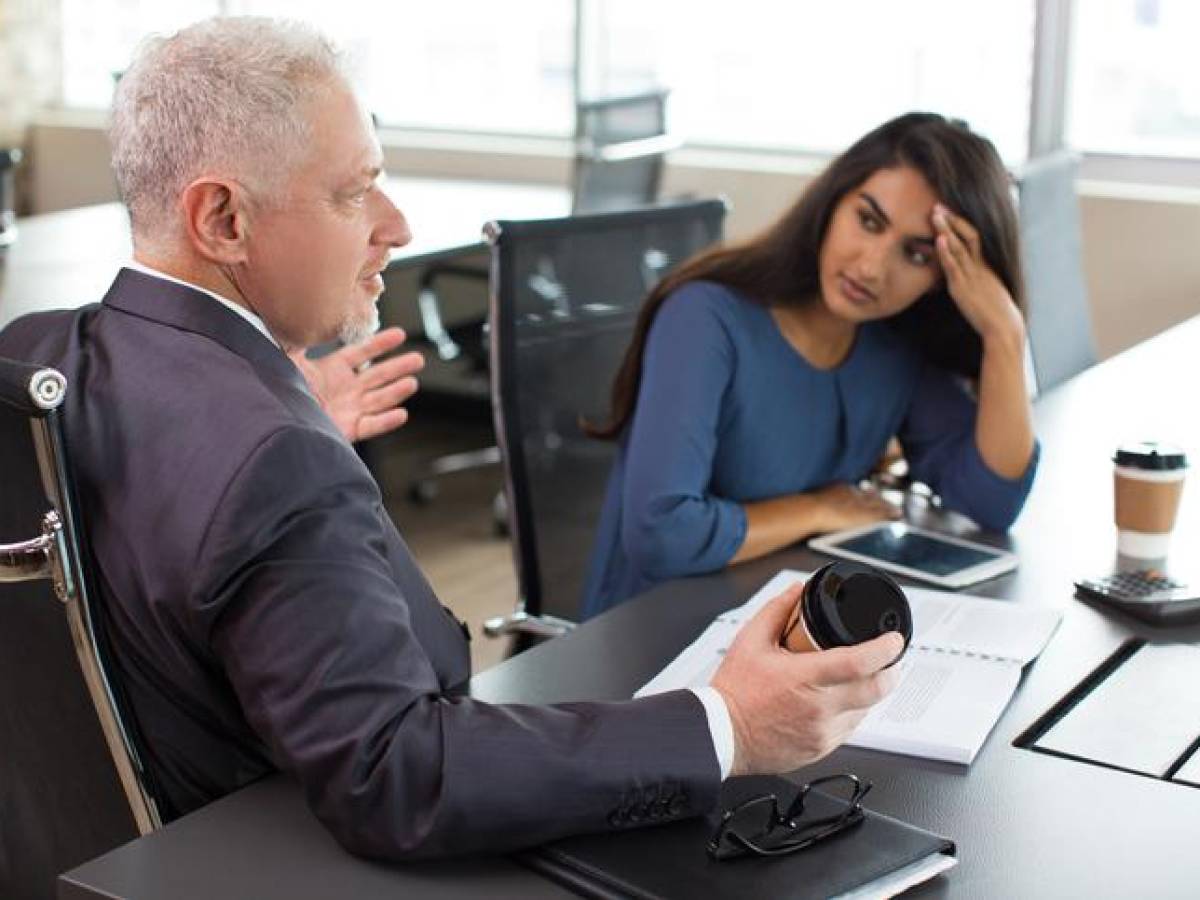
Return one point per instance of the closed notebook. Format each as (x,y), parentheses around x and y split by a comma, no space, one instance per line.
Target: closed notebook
(672,860)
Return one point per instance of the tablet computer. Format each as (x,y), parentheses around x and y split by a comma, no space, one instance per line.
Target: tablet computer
(918,553)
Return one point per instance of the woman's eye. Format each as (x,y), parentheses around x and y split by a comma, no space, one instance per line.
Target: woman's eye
(868,221)
(920,256)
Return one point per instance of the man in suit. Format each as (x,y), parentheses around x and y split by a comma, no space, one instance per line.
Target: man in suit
(263,611)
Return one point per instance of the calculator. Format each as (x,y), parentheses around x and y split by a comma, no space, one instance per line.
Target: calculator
(1147,594)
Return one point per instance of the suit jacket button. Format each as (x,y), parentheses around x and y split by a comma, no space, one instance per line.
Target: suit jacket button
(614,818)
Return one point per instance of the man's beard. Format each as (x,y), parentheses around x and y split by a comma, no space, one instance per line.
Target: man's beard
(356,328)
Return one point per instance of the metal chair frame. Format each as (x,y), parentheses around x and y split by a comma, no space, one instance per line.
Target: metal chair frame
(57,555)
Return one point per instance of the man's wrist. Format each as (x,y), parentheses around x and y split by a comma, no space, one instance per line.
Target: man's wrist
(720,727)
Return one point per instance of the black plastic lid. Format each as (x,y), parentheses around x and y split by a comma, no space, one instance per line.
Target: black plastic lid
(848,602)
(1151,455)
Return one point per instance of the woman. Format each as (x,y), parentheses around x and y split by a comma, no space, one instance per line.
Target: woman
(765,380)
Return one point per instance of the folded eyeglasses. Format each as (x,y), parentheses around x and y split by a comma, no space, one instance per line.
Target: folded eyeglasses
(759,827)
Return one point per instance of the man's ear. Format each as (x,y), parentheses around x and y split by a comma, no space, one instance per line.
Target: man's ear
(215,214)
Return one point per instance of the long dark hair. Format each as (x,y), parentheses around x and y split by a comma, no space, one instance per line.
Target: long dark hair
(780,265)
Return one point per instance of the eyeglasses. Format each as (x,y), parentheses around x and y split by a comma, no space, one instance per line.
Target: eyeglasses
(757,826)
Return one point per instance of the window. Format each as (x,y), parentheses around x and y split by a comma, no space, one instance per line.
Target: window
(805,75)
(98,40)
(813,75)
(456,64)
(1134,85)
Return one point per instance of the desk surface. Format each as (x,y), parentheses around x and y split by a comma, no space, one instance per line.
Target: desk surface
(261,843)
(1026,824)
(69,258)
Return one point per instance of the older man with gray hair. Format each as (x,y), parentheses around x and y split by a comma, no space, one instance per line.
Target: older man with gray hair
(264,613)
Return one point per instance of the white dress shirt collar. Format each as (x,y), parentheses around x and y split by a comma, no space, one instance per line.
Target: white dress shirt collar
(228,304)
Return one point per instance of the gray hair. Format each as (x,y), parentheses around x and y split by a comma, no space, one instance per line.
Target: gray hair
(226,92)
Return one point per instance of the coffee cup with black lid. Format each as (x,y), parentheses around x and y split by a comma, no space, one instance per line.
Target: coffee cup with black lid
(1147,486)
(846,603)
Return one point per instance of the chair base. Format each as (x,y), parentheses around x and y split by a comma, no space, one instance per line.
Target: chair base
(424,488)
(521,622)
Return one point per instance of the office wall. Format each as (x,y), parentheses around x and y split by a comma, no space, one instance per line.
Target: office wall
(68,162)
(1141,243)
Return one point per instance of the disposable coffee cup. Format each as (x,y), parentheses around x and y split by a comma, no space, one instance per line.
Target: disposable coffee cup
(846,603)
(1147,485)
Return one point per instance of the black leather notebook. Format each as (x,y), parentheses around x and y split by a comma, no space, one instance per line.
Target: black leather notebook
(672,861)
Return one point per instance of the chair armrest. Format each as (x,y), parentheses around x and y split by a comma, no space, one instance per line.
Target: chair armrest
(623,150)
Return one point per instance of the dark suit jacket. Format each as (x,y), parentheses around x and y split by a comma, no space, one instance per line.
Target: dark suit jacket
(265,614)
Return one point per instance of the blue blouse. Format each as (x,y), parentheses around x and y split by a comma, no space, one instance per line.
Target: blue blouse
(728,413)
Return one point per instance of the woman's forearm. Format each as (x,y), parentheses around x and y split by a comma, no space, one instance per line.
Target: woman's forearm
(780,521)
(1004,425)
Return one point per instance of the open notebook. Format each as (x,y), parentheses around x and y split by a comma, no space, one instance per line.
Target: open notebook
(960,671)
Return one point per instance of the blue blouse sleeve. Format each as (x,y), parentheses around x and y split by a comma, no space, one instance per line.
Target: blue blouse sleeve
(672,524)
(938,436)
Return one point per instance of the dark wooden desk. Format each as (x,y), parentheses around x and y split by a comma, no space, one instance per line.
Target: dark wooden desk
(69,258)
(261,843)
(1027,825)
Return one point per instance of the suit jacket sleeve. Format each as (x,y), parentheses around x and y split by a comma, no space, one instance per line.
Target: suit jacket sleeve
(296,595)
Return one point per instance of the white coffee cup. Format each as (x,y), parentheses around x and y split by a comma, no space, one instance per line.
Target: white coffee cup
(1147,486)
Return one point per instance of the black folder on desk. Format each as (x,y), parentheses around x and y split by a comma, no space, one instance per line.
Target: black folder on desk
(672,861)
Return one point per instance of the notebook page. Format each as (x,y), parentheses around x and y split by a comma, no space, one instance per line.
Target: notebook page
(943,708)
(978,626)
(695,666)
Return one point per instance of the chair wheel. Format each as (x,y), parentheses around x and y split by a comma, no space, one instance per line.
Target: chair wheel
(500,515)
(423,491)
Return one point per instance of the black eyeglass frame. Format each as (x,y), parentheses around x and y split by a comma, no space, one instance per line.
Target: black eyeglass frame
(804,834)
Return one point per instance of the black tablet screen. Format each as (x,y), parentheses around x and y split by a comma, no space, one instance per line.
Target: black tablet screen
(916,551)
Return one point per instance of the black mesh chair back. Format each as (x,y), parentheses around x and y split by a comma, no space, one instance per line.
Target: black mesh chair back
(621,143)
(565,294)
(69,784)
(1060,321)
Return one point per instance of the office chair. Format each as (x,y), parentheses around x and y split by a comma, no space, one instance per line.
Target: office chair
(564,298)
(9,158)
(621,144)
(1059,318)
(620,148)
(70,778)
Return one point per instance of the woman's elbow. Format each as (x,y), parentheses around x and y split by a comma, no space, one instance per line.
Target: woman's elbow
(998,520)
(672,543)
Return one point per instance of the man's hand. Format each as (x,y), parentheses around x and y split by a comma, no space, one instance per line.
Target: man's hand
(791,709)
(364,401)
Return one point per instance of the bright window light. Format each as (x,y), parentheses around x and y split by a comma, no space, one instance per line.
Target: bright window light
(1134,83)
(455,64)
(814,75)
